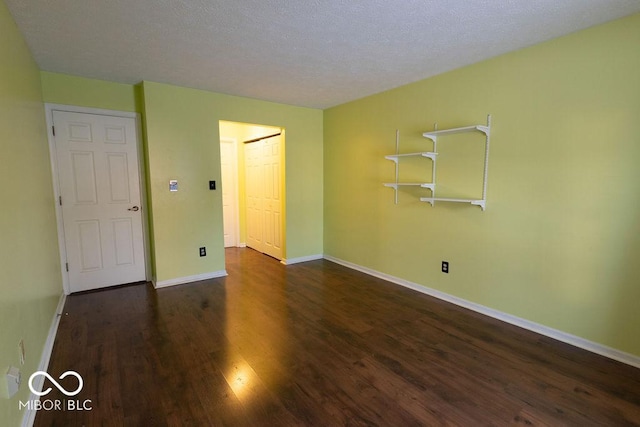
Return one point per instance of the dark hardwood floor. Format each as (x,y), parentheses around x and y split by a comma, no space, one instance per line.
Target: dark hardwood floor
(318,344)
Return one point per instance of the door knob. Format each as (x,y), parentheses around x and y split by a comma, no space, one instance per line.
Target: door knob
(135,209)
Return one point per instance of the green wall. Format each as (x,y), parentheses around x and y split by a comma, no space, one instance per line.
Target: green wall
(83,92)
(183,137)
(559,242)
(181,130)
(30,283)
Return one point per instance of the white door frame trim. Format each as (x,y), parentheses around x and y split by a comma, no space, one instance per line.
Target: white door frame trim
(49,109)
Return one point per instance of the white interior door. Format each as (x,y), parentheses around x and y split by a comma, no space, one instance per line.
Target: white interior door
(264,196)
(272,198)
(98,175)
(229,167)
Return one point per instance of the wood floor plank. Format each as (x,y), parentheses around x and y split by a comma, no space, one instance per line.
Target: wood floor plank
(318,344)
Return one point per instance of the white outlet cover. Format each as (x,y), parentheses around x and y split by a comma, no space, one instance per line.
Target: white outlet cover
(13,381)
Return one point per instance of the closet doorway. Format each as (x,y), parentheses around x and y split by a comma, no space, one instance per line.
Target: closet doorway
(260,183)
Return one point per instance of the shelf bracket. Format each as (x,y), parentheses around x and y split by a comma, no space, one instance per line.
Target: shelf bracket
(481,203)
(395,189)
(431,137)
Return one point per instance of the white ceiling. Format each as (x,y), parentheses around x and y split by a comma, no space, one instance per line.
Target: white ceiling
(314,53)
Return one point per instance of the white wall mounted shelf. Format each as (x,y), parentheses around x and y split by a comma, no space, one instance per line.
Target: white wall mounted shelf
(395,185)
(396,159)
(434,136)
(432,200)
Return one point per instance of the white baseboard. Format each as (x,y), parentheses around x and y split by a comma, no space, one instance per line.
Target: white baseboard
(188,279)
(301,259)
(30,414)
(576,341)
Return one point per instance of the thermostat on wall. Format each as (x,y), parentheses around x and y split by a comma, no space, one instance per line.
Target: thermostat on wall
(173,185)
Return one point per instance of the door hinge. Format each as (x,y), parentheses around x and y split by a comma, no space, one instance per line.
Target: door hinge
(53,129)
(60,200)
(67,265)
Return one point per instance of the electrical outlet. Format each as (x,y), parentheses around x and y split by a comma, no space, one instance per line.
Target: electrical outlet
(445,266)
(13,378)
(203,251)
(21,352)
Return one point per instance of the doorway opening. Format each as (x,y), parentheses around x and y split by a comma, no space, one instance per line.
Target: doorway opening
(252,159)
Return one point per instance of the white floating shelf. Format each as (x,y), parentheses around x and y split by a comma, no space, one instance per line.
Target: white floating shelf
(395,185)
(395,157)
(433,134)
(432,200)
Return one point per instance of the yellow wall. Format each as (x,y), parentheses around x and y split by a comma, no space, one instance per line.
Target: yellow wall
(559,242)
(83,92)
(182,142)
(30,279)
(183,137)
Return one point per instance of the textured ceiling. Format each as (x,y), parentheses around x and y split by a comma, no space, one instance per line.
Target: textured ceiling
(314,53)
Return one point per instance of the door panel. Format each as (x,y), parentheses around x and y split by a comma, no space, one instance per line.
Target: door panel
(90,245)
(264,196)
(118,177)
(98,175)
(272,200)
(124,241)
(84,178)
